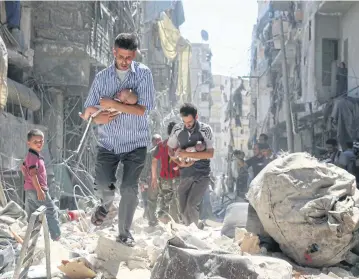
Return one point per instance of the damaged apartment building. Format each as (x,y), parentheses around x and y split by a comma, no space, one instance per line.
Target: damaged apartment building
(53,58)
(320,44)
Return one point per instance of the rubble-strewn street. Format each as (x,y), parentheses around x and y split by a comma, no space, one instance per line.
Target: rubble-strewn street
(105,257)
(179,139)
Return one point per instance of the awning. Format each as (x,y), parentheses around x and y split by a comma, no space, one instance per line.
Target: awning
(21,95)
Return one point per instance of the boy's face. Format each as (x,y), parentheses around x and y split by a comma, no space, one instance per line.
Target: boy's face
(36,143)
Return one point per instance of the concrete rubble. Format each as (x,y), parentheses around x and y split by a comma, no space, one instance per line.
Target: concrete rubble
(93,252)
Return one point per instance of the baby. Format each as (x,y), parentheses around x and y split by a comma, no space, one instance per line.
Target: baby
(199,147)
(125,96)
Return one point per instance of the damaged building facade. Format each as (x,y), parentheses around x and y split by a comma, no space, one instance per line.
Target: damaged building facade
(320,45)
(63,45)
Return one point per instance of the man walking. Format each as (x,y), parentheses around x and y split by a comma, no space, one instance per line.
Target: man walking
(166,186)
(145,182)
(195,175)
(122,137)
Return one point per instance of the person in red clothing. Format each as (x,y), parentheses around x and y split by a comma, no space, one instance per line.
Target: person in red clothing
(165,186)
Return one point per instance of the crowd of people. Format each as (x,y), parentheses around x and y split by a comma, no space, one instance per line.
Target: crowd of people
(245,170)
(174,173)
(177,170)
(345,157)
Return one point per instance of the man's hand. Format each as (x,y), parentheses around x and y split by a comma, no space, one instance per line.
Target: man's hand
(181,154)
(143,186)
(184,164)
(107,103)
(105,117)
(41,195)
(154,183)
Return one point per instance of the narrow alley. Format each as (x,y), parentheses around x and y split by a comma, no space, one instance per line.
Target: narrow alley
(179,139)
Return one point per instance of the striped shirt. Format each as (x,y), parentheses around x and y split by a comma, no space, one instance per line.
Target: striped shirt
(126,132)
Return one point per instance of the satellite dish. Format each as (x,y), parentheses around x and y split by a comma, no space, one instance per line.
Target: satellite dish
(204,35)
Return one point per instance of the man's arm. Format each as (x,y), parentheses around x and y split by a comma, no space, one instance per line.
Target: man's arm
(146,97)
(93,100)
(202,155)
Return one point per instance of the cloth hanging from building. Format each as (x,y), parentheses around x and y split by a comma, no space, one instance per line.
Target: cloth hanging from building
(13,9)
(153,10)
(175,46)
(234,107)
(3,74)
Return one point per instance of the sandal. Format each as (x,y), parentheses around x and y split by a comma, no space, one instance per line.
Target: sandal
(99,216)
(128,241)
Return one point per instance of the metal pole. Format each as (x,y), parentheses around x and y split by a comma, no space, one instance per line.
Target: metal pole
(288,121)
(231,139)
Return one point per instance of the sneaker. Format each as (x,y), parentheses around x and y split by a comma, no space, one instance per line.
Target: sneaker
(128,241)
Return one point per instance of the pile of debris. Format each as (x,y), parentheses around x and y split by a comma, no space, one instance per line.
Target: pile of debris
(232,250)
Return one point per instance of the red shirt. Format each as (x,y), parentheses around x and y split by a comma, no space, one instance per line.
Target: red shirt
(34,165)
(161,154)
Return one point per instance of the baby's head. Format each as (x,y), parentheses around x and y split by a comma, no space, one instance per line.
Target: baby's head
(200,146)
(127,96)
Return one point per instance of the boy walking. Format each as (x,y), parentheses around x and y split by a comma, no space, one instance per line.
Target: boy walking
(35,185)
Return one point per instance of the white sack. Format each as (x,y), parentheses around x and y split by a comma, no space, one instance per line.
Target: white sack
(302,202)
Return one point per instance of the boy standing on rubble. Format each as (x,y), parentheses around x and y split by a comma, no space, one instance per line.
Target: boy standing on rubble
(36,189)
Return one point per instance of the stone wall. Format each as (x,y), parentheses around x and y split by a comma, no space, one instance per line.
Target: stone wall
(61,41)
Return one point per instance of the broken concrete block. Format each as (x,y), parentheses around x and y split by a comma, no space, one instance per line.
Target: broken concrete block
(340,272)
(324,276)
(333,275)
(137,263)
(223,242)
(107,248)
(250,244)
(153,253)
(217,265)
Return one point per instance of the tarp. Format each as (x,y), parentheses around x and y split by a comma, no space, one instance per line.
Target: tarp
(311,209)
(182,261)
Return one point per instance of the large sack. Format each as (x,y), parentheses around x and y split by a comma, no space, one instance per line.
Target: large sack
(182,261)
(236,217)
(303,204)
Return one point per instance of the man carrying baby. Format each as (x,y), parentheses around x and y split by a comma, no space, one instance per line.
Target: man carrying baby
(194,174)
(122,137)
